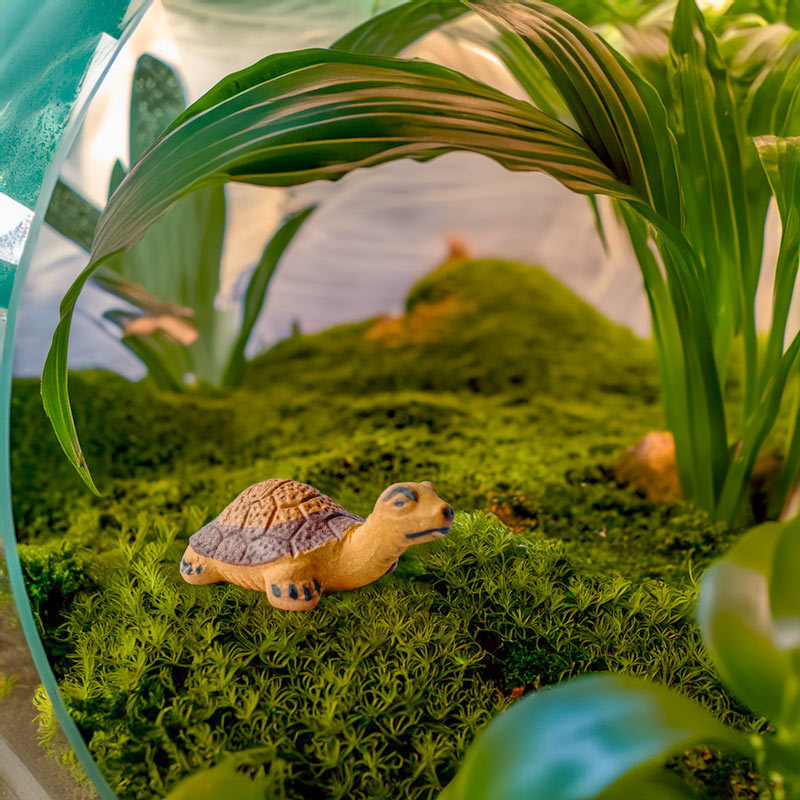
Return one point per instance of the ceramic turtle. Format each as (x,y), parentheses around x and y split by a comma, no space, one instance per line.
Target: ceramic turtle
(290,541)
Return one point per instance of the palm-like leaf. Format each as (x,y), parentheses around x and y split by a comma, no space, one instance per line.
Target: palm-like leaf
(315,114)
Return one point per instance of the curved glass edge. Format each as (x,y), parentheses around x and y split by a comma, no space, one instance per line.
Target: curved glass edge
(78,43)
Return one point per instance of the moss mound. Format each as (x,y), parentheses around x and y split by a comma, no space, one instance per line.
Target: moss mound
(378,693)
(500,386)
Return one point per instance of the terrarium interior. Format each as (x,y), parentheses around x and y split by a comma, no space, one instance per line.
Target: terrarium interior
(382,459)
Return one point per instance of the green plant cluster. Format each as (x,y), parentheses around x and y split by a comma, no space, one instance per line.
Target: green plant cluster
(171,279)
(690,161)
(379,691)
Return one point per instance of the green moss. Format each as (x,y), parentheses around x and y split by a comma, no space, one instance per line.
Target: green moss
(498,385)
(379,691)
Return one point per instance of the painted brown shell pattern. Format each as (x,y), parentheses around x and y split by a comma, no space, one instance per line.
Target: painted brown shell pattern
(269,520)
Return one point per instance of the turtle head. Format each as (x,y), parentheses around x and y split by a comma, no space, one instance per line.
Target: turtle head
(413,513)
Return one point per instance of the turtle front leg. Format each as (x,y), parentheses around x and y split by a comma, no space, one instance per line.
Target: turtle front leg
(289,595)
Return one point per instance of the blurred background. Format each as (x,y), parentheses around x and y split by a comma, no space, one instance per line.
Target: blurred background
(374,233)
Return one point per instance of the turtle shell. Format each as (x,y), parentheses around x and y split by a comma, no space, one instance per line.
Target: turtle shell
(272,519)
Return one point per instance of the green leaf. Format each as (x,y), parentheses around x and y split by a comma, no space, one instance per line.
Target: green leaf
(389,33)
(134,293)
(662,786)
(619,114)
(118,172)
(72,215)
(719,220)
(256,293)
(772,102)
(310,115)
(749,616)
(781,161)
(578,740)
(157,97)
(221,781)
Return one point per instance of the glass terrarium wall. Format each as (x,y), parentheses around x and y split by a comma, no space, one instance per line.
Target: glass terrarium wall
(170,460)
(52,60)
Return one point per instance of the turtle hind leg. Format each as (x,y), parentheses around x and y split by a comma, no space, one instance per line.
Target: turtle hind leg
(291,596)
(197,569)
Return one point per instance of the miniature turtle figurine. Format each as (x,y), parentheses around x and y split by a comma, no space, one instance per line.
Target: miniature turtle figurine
(290,541)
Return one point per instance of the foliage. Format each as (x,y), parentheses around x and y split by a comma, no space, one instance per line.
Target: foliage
(697,192)
(7,683)
(171,277)
(409,666)
(159,674)
(358,407)
(620,730)
(50,736)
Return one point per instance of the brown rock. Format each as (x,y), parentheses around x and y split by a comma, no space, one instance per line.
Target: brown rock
(426,322)
(649,467)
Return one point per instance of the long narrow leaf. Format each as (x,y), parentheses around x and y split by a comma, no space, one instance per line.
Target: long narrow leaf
(389,33)
(256,292)
(748,616)
(781,161)
(311,115)
(712,174)
(672,369)
(72,215)
(758,426)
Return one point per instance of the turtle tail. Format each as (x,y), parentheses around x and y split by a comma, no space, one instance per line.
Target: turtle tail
(198,569)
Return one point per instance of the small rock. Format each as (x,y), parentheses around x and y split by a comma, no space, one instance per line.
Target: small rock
(649,467)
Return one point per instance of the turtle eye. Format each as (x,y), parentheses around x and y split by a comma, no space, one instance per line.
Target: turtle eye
(399,503)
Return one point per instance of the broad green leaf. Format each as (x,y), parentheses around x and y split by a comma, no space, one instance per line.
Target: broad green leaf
(72,215)
(619,114)
(156,99)
(749,616)
(310,115)
(662,786)
(389,33)
(576,741)
(256,293)
(221,782)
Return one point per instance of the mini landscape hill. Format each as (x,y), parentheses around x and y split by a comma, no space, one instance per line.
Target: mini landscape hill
(501,387)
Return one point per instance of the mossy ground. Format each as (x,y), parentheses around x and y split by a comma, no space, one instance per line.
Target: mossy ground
(498,385)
